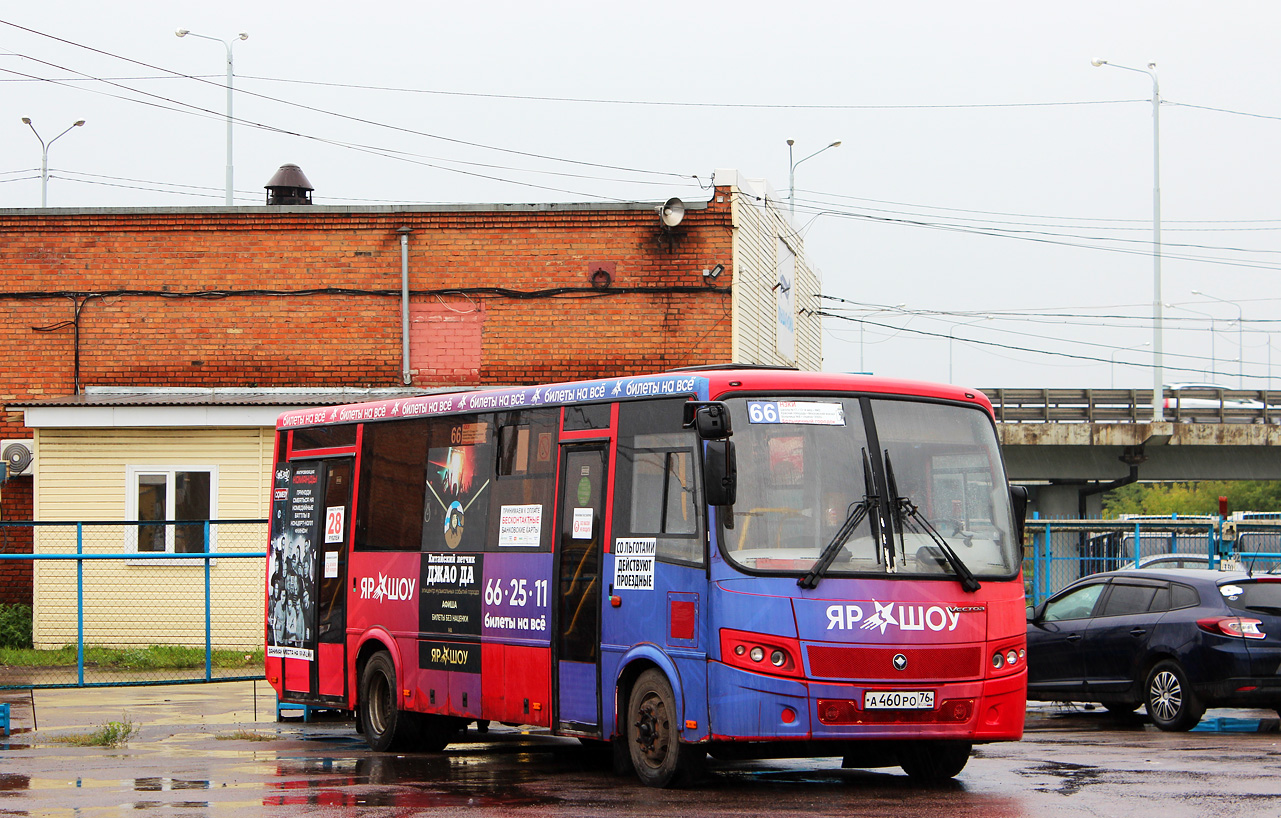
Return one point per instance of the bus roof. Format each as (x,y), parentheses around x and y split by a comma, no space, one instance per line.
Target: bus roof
(705,383)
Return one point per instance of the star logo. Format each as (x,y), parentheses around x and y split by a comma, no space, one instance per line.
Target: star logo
(883,618)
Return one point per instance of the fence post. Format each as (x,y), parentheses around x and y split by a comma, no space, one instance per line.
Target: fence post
(80,604)
(1137,545)
(208,608)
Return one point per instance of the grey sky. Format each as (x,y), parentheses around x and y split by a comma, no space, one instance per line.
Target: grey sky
(953,116)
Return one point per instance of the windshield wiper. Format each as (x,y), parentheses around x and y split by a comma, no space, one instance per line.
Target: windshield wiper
(857,513)
(903,509)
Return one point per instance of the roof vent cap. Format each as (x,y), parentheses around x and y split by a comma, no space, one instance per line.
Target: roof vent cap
(289,186)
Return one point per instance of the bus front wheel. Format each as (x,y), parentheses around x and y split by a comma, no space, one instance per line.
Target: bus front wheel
(385,726)
(653,734)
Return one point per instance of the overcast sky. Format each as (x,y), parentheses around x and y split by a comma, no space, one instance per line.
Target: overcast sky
(990,180)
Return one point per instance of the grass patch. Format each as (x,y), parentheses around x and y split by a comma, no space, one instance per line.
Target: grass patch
(245,735)
(155,657)
(111,734)
(15,626)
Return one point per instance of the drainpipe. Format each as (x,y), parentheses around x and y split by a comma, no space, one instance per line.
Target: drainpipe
(404,304)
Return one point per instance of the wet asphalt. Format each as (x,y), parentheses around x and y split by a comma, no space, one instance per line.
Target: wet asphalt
(219,750)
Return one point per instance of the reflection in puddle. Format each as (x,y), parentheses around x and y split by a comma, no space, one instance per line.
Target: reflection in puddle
(1226,724)
(167,784)
(10,782)
(1073,777)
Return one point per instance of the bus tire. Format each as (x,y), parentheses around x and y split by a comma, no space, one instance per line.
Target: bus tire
(653,734)
(385,726)
(934,760)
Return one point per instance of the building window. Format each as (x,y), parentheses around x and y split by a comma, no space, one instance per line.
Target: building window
(171,505)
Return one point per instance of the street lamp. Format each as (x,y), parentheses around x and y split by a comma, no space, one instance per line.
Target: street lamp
(1112,370)
(44,155)
(791,172)
(1158,374)
(182,32)
(1240,334)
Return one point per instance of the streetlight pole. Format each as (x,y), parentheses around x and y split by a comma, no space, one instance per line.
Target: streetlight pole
(1240,334)
(1158,375)
(791,172)
(182,32)
(1112,381)
(44,156)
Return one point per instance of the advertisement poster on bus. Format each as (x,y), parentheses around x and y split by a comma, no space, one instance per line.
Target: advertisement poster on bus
(291,610)
(457,501)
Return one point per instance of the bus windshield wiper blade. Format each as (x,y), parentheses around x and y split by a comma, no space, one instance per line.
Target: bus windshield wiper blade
(904,509)
(857,513)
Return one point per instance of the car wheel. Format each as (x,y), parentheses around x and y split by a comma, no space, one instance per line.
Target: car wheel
(385,726)
(933,760)
(653,734)
(1170,702)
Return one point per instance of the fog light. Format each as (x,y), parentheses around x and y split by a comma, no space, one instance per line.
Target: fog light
(778,658)
(998,661)
(757,654)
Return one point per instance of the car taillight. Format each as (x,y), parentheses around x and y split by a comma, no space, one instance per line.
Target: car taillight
(1233,626)
(761,653)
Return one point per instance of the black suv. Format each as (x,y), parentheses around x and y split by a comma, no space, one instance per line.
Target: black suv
(1175,640)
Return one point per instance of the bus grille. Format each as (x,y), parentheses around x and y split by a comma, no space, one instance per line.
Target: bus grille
(877,663)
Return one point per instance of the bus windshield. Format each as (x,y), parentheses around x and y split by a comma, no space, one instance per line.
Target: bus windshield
(809,467)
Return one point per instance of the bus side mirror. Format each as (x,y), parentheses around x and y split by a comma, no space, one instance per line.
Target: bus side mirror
(709,418)
(1018,501)
(720,473)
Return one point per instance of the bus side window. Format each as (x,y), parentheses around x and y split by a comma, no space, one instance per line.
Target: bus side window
(658,493)
(525,482)
(393,469)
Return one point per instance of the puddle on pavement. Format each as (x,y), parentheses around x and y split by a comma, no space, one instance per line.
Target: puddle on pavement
(1073,777)
(1227,724)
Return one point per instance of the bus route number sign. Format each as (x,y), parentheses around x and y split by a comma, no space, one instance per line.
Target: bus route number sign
(804,413)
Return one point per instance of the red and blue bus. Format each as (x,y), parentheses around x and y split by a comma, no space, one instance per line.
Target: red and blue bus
(746,562)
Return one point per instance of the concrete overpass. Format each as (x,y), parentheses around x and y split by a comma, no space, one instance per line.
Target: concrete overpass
(1072,445)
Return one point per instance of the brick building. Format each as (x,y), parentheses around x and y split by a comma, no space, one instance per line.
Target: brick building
(114,320)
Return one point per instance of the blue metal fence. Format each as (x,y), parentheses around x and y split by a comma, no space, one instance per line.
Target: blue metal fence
(106,613)
(1062,551)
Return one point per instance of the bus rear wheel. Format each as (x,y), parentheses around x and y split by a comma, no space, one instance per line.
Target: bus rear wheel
(653,734)
(385,726)
(934,760)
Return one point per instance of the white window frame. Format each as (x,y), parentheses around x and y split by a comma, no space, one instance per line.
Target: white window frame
(170,472)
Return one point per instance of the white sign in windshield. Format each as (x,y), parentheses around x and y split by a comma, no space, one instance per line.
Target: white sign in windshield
(805,413)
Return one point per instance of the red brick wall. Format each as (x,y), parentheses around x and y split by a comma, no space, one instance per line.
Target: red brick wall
(313,298)
(15,575)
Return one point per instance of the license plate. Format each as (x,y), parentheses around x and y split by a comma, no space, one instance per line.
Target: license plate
(898,700)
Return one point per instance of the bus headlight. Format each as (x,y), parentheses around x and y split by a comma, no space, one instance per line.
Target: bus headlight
(757,654)
(778,658)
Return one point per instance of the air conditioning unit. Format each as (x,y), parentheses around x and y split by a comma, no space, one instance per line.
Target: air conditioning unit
(19,456)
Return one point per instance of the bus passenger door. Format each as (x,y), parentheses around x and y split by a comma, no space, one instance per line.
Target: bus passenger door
(579,537)
(308,599)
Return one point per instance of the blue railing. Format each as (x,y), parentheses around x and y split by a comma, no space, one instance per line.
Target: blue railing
(137,617)
(1062,551)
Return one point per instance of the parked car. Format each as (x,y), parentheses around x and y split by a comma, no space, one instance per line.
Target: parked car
(1205,403)
(1174,640)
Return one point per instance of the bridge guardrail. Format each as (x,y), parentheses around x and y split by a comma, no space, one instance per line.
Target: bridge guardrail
(1188,404)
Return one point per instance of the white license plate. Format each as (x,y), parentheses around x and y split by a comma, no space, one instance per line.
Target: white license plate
(898,700)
